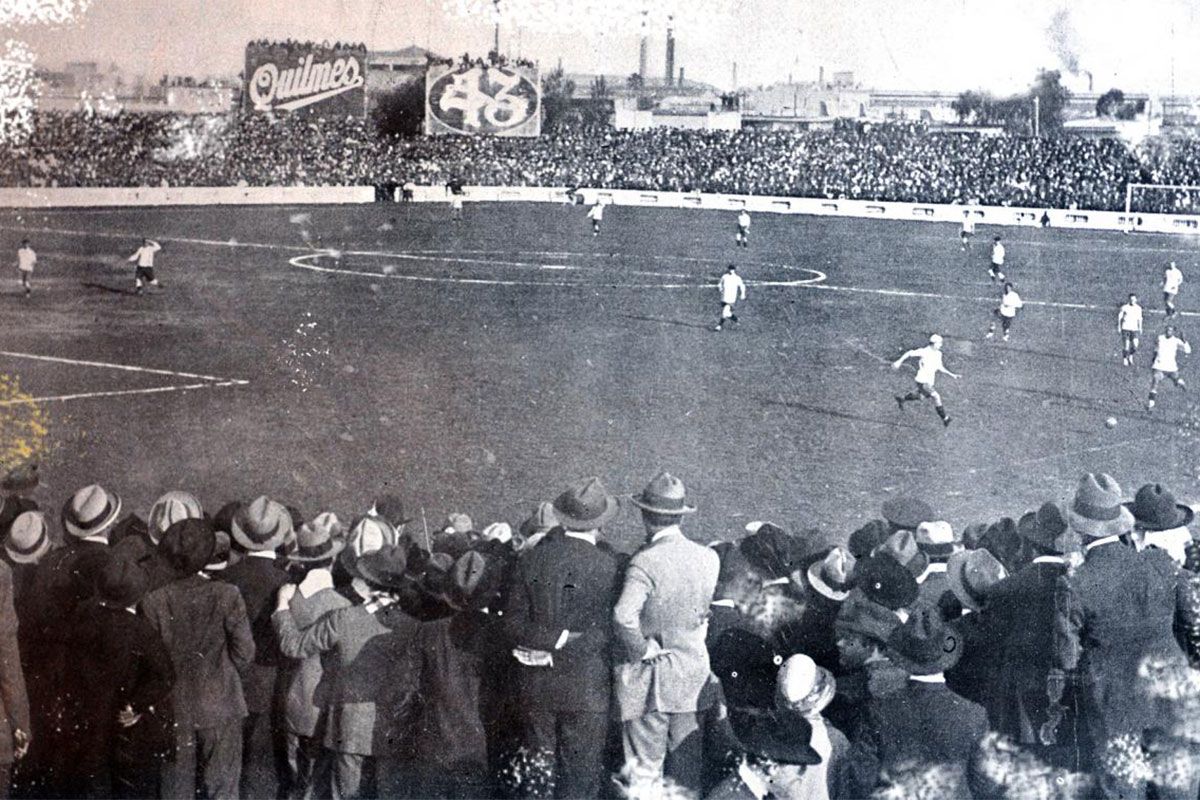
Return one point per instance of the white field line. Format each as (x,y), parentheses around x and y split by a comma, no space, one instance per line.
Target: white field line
(123,392)
(125,367)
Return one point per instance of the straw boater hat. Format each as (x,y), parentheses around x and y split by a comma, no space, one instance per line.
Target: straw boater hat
(169,509)
(90,511)
(665,495)
(1097,511)
(831,576)
(28,538)
(261,525)
(585,506)
(971,574)
(924,645)
(936,540)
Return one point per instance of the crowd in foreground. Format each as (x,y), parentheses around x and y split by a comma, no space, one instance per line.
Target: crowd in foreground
(886,162)
(252,652)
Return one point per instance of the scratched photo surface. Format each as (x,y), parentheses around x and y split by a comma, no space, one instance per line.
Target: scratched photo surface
(467,252)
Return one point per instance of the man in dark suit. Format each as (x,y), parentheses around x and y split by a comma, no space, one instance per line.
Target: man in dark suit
(140,545)
(258,528)
(204,626)
(1124,610)
(559,618)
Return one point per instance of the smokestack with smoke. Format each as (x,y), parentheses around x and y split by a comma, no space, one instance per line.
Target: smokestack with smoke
(1064,40)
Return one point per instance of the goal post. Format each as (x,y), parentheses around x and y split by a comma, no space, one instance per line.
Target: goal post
(1162,198)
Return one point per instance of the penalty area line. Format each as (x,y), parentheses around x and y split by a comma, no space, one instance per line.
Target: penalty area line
(123,367)
(59,398)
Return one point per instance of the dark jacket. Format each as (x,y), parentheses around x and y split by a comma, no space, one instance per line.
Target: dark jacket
(204,626)
(564,584)
(14,704)
(258,580)
(141,550)
(118,660)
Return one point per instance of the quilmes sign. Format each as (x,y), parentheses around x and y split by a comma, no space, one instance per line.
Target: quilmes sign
(476,99)
(296,77)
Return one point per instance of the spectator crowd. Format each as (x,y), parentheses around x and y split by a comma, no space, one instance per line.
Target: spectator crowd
(888,162)
(255,651)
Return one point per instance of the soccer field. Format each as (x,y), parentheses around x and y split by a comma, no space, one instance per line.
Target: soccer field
(481,366)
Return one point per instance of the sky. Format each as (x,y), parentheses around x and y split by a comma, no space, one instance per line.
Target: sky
(994,45)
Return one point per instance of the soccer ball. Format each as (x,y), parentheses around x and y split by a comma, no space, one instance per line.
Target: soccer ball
(1111,422)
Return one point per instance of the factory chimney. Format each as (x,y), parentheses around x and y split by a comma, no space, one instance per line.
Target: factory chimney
(669,73)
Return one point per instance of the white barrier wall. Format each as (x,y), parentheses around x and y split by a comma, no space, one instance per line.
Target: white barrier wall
(184,196)
(926,212)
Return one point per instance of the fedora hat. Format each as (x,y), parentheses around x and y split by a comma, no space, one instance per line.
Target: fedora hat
(476,580)
(1002,540)
(665,494)
(90,511)
(906,513)
(864,540)
(936,539)
(222,549)
(369,533)
(188,545)
(121,583)
(585,506)
(1097,511)
(972,535)
(774,552)
(832,576)
(28,538)
(885,581)
(391,508)
(863,616)
(541,520)
(169,509)
(971,574)
(330,523)
(386,567)
(261,525)
(315,542)
(803,686)
(500,532)
(1154,509)
(1044,527)
(902,546)
(925,645)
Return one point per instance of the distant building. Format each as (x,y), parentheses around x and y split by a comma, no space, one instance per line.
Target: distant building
(808,101)
(387,69)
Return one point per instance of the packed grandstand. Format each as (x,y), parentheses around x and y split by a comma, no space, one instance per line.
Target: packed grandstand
(885,162)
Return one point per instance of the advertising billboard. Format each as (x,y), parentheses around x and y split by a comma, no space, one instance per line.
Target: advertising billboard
(306,77)
(496,99)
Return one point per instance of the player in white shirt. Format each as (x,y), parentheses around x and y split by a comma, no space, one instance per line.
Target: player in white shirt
(732,289)
(929,364)
(1166,362)
(144,274)
(1172,281)
(742,237)
(1010,304)
(1129,323)
(996,271)
(26,259)
(968,230)
(596,215)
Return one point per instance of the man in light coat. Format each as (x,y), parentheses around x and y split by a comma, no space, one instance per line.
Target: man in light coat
(661,623)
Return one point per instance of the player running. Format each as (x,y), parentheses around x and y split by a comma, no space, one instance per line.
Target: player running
(968,230)
(1010,304)
(742,237)
(1165,362)
(144,274)
(1129,323)
(732,289)
(1172,282)
(596,215)
(996,271)
(929,364)
(26,259)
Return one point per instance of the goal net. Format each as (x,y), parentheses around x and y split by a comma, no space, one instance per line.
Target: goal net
(1162,198)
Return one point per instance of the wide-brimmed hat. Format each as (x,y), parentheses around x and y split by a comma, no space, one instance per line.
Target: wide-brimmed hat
(902,546)
(773,552)
(121,583)
(906,513)
(886,581)
(833,576)
(864,540)
(541,520)
(1044,527)
(188,545)
(1154,509)
(925,645)
(391,508)
(666,495)
(262,525)
(1097,510)
(803,686)
(386,567)
(864,617)
(222,550)
(28,538)
(315,542)
(369,534)
(585,505)
(778,737)
(90,511)
(936,539)
(971,574)
(169,509)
